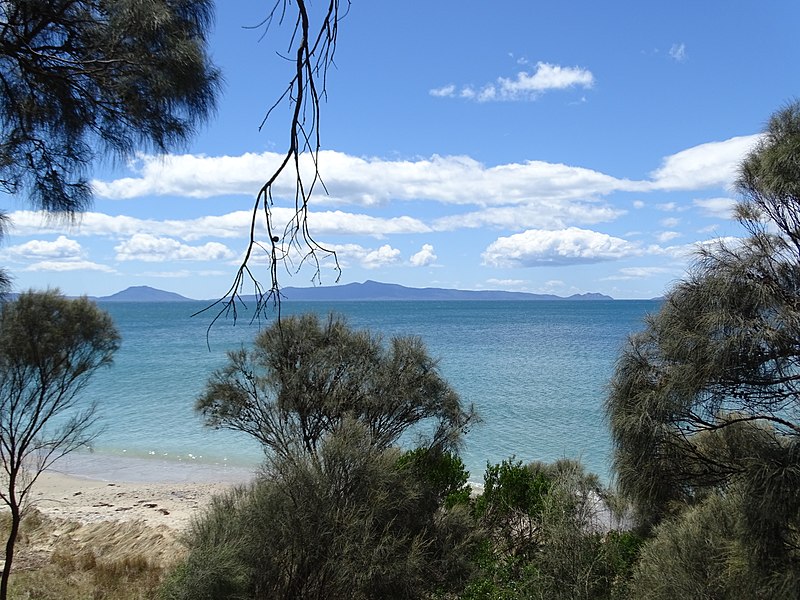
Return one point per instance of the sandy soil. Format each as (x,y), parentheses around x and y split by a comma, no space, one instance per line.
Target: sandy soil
(154,504)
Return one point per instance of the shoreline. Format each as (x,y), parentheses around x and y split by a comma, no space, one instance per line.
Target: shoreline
(92,488)
(87,501)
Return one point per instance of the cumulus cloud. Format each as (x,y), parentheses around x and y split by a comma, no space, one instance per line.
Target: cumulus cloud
(230,225)
(537,247)
(708,165)
(445,91)
(721,208)
(525,86)
(424,257)
(545,215)
(149,248)
(666,236)
(368,258)
(61,248)
(670,222)
(446,179)
(373,181)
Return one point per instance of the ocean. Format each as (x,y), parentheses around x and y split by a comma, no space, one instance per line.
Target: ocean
(536,372)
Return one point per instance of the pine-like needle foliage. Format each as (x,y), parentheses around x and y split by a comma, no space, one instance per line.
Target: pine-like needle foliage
(707,398)
(83,78)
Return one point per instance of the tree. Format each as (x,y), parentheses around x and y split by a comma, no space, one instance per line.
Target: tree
(700,554)
(338,511)
(707,398)
(304,377)
(84,78)
(49,348)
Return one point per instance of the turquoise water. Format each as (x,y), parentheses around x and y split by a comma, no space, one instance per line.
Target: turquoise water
(535,371)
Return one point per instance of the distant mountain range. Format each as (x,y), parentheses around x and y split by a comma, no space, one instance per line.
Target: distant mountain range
(374,290)
(367,291)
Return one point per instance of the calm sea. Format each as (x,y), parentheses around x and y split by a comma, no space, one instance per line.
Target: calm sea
(535,371)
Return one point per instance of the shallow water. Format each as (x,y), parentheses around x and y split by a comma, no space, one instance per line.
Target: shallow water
(535,371)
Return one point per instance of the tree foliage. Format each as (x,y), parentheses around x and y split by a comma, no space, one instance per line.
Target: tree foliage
(49,348)
(346,522)
(707,398)
(702,553)
(83,77)
(339,510)
(303,377)
(548,535)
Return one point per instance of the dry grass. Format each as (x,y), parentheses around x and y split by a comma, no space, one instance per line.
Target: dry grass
(61,560)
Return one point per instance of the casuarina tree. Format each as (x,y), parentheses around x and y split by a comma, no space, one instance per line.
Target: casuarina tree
(49,348)
(707,398)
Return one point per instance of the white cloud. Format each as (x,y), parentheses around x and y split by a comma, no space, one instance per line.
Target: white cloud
(446,91)
(372,181)
(149,248)
(666,236)
(231,225)
(688,251)
(628,273)
(525,86)
(385,255)
(446,179)
(670,222)
(721,208)
(68,265)
(424,257)
(537,247)
(61,248)
(59,255)
(678,52)
(506,283)
(708,165)
(546,215)
(671,207)
(368,258)
(343,223)
(638,204)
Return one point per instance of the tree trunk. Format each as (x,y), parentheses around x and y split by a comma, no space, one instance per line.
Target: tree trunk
(12,538)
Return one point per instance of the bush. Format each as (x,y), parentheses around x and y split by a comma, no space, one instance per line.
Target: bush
(348,523)
(701,554)
(546,538)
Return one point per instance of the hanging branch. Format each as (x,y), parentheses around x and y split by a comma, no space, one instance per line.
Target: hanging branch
(291,245)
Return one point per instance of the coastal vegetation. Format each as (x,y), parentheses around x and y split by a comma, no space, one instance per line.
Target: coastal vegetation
(362,493)
(49,348)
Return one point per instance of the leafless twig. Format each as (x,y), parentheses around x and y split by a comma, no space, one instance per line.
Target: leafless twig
(291,244)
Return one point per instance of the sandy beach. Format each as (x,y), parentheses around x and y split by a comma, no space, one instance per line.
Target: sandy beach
(115,510)
(84,501)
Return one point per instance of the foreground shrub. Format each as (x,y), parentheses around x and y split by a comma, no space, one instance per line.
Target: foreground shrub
(549,536)
(701,554)
(347,523)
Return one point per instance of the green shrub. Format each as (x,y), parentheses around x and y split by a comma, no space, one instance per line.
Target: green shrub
(443,474)
(347,523)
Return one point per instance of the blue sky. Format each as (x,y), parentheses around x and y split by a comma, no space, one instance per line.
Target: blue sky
(551,147)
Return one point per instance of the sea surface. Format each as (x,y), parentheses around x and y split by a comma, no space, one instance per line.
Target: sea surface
(536,372)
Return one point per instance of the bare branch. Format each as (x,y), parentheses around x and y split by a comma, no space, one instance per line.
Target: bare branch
(291,245)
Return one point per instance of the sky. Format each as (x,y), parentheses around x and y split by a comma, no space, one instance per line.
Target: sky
(546,147)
